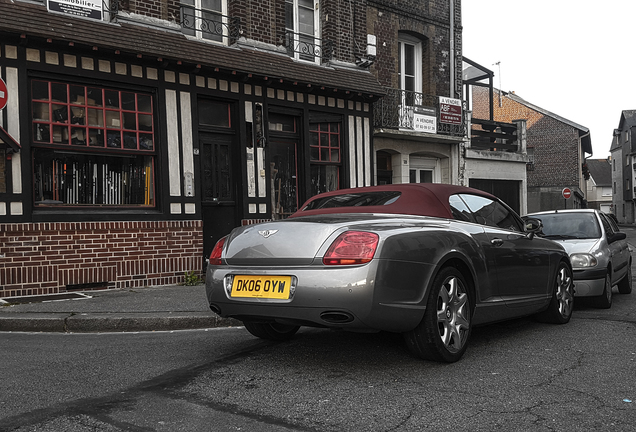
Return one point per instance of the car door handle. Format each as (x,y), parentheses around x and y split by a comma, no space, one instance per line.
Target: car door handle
(496,242)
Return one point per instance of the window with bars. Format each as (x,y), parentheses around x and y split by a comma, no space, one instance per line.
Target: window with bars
(303,29)
(92,145)
(325,156)
(204,19)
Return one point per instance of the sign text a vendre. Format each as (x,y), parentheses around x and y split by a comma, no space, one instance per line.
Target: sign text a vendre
(450,110)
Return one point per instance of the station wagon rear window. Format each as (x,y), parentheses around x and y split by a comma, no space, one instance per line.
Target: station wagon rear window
(355,200)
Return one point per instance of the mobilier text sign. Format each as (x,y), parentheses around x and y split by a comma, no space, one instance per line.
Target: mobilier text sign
(85,8)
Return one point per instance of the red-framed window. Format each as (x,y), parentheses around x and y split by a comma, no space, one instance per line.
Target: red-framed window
(92,145)
(325,156)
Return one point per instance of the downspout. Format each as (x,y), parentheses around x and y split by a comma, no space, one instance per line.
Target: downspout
(452,48)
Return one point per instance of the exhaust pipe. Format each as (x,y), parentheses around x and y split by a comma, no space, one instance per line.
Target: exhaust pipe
(336,317)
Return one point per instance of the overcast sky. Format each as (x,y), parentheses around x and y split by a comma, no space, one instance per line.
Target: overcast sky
(575,58)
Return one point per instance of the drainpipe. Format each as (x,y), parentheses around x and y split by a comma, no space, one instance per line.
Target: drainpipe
(452,48)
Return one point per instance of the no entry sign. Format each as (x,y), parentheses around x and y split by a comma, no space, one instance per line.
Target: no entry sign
(3,94)
(566,192)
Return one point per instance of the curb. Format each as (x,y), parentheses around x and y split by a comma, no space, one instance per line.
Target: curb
(112,322)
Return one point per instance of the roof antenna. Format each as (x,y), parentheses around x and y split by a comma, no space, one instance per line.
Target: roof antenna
(498,64)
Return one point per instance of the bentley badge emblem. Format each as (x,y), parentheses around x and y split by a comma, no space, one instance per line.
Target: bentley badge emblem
(268,233)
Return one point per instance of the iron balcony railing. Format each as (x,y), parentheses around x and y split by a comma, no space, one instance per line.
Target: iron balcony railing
(399,109)
(209,25)
(308,48)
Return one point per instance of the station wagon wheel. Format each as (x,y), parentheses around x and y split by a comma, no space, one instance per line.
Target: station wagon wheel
(561,304)
(604,301)
(625,285)
(443,333)
(271,331)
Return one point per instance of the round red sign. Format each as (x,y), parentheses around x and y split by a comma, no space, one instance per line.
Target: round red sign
(4,95)
(567,193)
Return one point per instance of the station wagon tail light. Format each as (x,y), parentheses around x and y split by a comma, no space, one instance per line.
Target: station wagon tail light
(352,247)
(215,256)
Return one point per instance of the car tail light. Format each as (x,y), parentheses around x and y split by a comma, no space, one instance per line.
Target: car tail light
(215,256)
(352,247)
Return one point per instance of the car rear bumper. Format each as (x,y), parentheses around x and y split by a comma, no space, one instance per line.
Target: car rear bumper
(589,283)
(348,298)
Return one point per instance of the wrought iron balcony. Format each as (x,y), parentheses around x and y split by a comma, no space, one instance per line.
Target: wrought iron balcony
(409,110)
(308,48)
(209,25)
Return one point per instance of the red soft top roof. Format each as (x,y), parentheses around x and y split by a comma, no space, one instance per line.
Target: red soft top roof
(420,199)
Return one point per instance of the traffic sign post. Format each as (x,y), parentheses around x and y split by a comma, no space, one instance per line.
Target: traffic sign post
(4,95)
(566,193)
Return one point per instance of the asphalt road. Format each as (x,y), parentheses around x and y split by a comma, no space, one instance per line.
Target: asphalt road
(518,375)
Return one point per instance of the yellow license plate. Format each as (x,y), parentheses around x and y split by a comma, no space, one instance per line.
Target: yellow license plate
(272,287)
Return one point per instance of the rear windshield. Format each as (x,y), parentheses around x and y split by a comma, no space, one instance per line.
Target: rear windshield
(570,225)
(354,200)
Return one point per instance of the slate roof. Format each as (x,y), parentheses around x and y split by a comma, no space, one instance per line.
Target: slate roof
(626,116)
(601,171)
(627,119)
(34,21)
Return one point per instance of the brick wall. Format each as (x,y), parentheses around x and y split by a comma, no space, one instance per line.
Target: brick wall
(345,23)
(429,21)
(49,258)
(555,143)
(263,20)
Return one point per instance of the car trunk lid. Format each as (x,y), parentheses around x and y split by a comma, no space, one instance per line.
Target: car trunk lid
(298,241)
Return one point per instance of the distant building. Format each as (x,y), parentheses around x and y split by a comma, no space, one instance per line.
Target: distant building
(599,184)
(623,151)
(556,149)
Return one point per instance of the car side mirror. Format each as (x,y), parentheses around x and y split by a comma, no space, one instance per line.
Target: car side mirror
(616,237)
(532,226)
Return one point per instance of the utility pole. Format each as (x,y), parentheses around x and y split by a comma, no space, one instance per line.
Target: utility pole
(498,64)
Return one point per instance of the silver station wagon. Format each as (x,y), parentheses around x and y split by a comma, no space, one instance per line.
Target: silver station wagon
(599,252)
(429,261)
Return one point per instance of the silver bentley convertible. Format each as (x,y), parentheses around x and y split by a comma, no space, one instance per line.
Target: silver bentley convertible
(427,260)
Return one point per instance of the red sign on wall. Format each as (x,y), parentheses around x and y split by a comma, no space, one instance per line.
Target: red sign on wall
(567,193)
(4,95)
(450,110)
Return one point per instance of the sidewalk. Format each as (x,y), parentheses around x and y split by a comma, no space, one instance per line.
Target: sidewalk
(123,310)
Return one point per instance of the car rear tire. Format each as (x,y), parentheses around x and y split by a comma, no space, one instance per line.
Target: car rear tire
(625,285)
(604,301)
(271,331)
(443,333)
(562,302)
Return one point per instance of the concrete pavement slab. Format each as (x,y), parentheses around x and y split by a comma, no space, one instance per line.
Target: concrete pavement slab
(122,310)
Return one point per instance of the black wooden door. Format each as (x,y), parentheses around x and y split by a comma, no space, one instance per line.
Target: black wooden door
(219,187)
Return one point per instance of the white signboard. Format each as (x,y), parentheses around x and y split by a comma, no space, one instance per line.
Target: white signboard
(424,120)
(84,8)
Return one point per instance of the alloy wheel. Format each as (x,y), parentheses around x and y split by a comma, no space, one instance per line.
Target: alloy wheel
(453,314)
(565,292)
